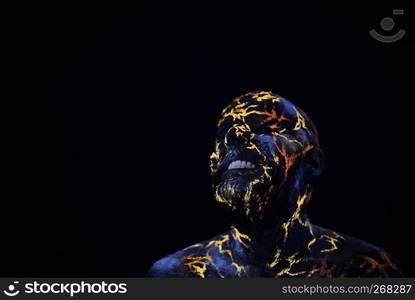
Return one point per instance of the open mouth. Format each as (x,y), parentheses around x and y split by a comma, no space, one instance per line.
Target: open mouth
(239,168)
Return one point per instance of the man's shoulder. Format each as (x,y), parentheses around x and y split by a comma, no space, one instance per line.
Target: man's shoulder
(371,261)
(164,267)
(172,265)
(359,258)
(184,262)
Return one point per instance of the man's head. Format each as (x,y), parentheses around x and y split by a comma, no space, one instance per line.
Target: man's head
(266,152)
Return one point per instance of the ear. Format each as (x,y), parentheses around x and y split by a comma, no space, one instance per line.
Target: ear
(315,161)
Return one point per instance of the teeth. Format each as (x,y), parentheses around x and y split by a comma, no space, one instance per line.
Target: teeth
(241,164)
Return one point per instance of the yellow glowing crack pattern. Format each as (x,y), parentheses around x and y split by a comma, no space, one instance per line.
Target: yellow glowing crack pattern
(301,122)
(240,237)
(332,240)
(296,217)
(276,136)
(198,265)
(292,261)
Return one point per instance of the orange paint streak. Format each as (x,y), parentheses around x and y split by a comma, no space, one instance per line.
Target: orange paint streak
(375,265)
(324,270)
(290,159)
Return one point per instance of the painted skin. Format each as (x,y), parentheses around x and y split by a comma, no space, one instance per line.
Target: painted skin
(267,198)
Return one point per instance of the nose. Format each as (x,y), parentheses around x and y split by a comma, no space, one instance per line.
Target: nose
(238,136)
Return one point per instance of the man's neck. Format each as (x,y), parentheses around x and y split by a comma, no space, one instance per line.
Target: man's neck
(291,234)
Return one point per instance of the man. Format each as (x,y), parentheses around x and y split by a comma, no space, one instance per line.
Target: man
(264,167)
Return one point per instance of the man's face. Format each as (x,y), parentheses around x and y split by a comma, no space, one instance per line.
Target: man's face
(260,138)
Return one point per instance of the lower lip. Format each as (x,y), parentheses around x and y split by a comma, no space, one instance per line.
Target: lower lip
(232,173)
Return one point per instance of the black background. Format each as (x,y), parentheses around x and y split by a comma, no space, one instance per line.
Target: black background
(112,115)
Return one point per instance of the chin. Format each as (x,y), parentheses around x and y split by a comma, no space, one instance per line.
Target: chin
(245,195)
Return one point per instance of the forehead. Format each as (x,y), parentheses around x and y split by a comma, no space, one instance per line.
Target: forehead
(265,110)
